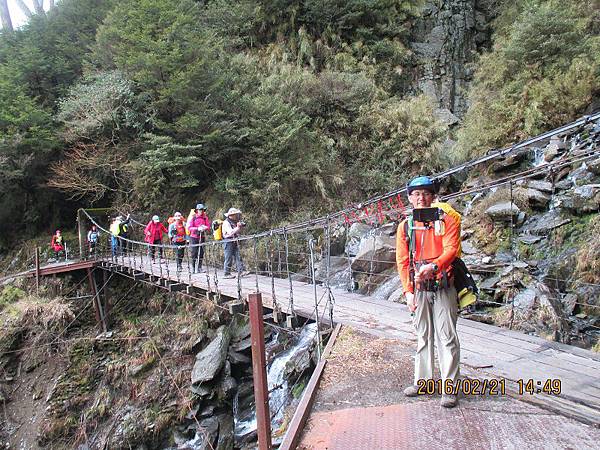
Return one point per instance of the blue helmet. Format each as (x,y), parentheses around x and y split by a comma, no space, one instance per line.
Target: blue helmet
(422,183)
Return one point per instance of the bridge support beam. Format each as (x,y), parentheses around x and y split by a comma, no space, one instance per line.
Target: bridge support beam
(98,309)
(259,371)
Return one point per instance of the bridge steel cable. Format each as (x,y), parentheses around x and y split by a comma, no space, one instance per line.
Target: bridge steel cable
(337,218)
(316,223)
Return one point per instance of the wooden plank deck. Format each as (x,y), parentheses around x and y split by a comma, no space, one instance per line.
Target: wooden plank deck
(492,351)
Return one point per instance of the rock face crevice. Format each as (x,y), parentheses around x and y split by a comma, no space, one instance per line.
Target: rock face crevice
(446,40)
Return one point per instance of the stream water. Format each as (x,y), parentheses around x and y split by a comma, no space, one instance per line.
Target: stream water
(279,386)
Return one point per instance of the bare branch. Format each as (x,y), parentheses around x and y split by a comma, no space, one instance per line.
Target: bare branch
(90,171)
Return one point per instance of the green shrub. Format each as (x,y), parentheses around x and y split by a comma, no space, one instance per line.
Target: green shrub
(10,294)
(402,138)
(543,70)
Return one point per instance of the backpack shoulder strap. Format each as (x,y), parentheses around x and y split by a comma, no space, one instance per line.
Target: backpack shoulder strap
(409,235)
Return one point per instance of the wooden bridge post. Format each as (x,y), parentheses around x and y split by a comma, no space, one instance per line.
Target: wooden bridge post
(259,371)
(107,304)
(96,301)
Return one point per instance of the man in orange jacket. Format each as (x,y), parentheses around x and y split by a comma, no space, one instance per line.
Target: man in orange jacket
(424,256)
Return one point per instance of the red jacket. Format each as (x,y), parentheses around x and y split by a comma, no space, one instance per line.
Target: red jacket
(154,232)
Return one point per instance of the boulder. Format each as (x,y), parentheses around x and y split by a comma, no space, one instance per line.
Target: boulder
(226,437)
(227,387)
(201,391)
(242,345)
(210,360)
(445,116)
(569,303)
(356,233)
(543,224)
(375,254)
(536,199)
(508,162)
(240,329)
(554,148)
(582,176)
(581,200)
(489,283)
(539,185)
(594,166)
(469,249)
(387,289)
(589,298)
(338,241)
(339,271)
(563,185)
(530,239)
(206,435)
(525,299)
(238,358)
(502,212)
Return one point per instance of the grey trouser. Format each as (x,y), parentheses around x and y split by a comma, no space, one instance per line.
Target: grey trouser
(436,314)
(232,252)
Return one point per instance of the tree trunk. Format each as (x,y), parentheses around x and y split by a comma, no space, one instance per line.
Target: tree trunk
(5,16)
(23,7)
(38,5)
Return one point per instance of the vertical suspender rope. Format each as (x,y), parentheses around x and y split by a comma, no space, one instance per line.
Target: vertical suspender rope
(256,263)
(217,291)
(206,263)
(239,272)
(187,259)
(330,298)
(278,241)
(271,263)
(311,245)
(134,250)
(512,226)
(287,268)
(348,258)
(164,258)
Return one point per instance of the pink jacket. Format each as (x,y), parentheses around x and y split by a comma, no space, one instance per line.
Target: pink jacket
(194,225)
(154,232)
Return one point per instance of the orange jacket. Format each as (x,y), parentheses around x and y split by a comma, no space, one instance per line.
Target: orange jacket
(440,250)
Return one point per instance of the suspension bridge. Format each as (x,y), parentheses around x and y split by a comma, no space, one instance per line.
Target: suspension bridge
(290,267)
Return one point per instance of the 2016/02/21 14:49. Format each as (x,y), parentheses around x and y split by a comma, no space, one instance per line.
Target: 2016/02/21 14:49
(551,386)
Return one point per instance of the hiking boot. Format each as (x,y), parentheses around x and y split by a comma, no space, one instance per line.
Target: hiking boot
(228,276)
(411,391)
(449,401)
(245,273)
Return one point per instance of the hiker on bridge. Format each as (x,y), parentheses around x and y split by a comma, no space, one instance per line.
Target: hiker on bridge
(153,235)
(92,240)
(58,244)
(198,224)
(178,237)
(231,229)
(119,228)
(426,246)
(124,233)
